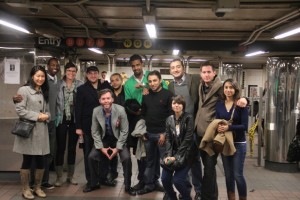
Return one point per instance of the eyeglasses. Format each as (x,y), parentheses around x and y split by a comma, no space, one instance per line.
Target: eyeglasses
(72,71)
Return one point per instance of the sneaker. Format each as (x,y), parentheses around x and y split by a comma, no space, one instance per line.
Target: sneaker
(48,186)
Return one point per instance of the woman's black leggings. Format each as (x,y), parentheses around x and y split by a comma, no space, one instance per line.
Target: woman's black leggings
(29,159)
(62,131)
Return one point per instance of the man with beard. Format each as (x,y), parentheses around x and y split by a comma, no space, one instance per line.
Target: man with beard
(86,101)
(135,87)
(116,81)
(156,107)
(52,69)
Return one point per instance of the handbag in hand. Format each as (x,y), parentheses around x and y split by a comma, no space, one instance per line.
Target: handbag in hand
(293,154)
(23,128)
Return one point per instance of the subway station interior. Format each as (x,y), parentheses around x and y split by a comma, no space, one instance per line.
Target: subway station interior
(241,37)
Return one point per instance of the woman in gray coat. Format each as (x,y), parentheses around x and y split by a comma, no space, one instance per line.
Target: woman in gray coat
(34,107)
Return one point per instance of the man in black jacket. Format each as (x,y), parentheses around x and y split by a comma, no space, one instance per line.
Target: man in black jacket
(86,100)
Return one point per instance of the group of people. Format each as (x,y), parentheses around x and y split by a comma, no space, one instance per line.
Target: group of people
(163,124)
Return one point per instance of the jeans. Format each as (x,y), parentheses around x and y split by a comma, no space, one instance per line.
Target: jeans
(209,187)
(196,168)
(179,180)
(154,153)
(234,170)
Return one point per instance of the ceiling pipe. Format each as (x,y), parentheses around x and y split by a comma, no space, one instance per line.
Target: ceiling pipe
(270,25)
(148,6)
(60,2)
(81,24)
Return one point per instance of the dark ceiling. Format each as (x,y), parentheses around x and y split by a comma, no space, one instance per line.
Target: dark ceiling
(205,29)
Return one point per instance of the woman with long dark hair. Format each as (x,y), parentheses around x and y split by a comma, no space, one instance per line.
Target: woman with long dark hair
(34,107)
(234,165)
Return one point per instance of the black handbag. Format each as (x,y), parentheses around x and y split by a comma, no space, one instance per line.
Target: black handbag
(23,128)
(293,154)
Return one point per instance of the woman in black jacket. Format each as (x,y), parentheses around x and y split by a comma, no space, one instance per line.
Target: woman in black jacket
(179,141)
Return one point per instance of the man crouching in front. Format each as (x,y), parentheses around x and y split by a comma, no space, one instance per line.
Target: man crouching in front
(110,131)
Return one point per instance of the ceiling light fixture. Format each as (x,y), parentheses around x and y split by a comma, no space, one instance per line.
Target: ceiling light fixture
(255,53)
(96,50)
(288,33)
(175,52)
(151,30)
(15,48)
(13,26)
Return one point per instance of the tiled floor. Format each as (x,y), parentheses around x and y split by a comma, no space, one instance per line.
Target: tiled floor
(263,184)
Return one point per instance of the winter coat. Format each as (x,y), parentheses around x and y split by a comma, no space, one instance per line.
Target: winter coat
(29,108)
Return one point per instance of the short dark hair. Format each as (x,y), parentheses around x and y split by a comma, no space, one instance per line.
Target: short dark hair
(180,100)
(117,74)
(135,57)
(156,73)
(235,85)
(69,65)
(104,91)
(53,58)
(104,72)
(179,60)
(208,63)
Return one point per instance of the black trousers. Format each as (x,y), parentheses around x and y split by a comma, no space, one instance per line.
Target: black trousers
(98,160)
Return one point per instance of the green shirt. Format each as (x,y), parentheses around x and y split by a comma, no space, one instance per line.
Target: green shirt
(136,93)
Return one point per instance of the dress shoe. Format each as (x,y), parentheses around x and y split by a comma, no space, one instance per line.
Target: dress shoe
(159,187)
(130,191)
(89,188)
(180,197)
(110,183)
(139,186)
(145,190)
(197,196)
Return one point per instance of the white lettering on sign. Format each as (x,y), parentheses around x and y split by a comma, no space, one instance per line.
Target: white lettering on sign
(49,41)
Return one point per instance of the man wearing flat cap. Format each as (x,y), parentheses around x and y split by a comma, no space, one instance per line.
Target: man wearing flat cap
(86,100)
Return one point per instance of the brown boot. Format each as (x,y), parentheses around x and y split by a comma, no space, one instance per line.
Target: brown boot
(26,192)
(231,195)
(38,181)
(242,198)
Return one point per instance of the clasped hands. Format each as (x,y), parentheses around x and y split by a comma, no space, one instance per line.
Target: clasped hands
(169,160)
(222,127)
(43,117)
(109,152)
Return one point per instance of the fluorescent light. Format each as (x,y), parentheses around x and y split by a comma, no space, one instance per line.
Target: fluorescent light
(288,33)
(11,48)
(96,50)
(33,52)
(255,53)
(13,26)
(175,52)
(44,56)
(151,30)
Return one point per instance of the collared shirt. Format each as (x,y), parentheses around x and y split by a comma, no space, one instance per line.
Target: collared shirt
(180,81)
(108,128)
(53,78)
(142,81)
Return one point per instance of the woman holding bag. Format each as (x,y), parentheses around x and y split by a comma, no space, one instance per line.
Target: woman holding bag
(34,107)
(234,165)
(179,143)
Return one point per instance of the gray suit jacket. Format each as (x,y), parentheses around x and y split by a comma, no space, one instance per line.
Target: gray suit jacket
(119,124)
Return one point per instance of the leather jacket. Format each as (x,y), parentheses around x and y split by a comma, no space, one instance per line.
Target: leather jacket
(181,145)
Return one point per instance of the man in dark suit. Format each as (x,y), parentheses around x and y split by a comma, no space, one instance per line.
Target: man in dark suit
(86,100)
